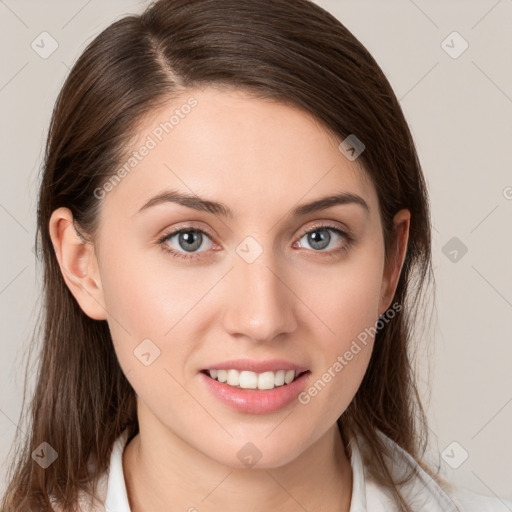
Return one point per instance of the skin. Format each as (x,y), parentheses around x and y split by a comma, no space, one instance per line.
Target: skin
(260,158)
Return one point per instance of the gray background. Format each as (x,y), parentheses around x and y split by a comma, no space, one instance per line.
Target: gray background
(459,108)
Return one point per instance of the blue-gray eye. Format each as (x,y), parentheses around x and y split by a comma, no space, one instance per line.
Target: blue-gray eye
(320,238)
(188,240)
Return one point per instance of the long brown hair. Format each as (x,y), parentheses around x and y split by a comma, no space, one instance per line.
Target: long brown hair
(292,51)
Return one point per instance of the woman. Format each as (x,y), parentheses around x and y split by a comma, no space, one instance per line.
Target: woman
(236,236)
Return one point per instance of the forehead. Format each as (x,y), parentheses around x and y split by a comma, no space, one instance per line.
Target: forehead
(228,144)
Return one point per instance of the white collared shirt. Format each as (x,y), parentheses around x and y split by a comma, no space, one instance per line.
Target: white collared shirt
(422,492)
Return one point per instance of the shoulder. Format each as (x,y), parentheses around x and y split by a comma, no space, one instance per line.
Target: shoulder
(469,501)
(428,493)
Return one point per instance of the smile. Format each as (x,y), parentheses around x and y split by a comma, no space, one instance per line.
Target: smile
(251,380)
(250,392)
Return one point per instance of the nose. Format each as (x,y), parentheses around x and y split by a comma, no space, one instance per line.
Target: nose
(260,304)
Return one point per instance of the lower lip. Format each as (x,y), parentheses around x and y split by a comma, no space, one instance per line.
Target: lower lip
(256,401)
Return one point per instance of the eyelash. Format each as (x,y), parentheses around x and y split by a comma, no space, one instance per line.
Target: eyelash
(349,240)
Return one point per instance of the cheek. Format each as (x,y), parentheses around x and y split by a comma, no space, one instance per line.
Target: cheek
(345,300)
(347,306)
(148,294)
(150,305)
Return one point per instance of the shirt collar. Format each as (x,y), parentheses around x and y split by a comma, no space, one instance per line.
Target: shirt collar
(420,490)
(117,498)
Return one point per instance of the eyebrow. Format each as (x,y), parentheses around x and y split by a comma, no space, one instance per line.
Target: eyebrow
(197,203)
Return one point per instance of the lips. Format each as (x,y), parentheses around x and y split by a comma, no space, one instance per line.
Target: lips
(255,401)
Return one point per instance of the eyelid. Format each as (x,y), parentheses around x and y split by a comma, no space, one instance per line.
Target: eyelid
(187,226)
(190,226)
(326,225)
(182,255)
(304,231)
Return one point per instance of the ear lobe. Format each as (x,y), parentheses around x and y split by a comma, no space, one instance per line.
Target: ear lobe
(394,263)
(78,264)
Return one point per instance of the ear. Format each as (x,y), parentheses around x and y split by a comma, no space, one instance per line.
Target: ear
(395,260)
(78,264)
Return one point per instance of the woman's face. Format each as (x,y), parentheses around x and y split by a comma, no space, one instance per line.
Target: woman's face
(246,284)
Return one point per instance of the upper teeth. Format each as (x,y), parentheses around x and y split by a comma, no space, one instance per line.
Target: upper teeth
(251,380)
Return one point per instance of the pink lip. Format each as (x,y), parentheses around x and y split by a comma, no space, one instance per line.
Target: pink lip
(270,365)
(256,401)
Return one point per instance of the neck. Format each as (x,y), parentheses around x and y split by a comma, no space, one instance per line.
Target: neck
(171,472)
